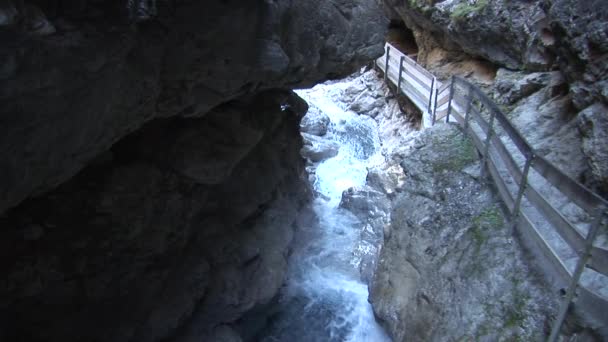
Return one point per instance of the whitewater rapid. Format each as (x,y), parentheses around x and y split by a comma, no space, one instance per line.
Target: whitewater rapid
(324,298)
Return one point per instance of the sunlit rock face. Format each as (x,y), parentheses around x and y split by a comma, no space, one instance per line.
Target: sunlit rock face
(554,53)
(506,33)
(67,96)
(449,267)
(173,233)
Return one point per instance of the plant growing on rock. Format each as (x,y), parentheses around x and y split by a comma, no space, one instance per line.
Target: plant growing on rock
(466,8)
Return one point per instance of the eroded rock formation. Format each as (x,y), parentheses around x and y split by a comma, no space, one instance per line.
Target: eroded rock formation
(450,268)
(151,167)
(69,96)
(179,228)
(567,40)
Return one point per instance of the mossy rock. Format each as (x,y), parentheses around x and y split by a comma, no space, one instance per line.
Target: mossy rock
(459,152)
(464,9)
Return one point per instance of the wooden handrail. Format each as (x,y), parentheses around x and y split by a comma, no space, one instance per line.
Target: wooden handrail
(461,108)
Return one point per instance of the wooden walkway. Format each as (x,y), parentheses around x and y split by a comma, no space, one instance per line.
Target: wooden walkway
(556,218)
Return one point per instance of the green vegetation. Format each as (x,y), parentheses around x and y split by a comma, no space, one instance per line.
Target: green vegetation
(459,152)
(424,6)
(516,314)
(463,9)
(490,218)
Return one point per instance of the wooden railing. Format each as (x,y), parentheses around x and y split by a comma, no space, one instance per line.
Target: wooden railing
(539,197)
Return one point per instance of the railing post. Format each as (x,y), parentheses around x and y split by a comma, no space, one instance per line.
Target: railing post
(522,189)
(447,116)
(388,50)
(400,73)
(578,271)
(435,107)
(431,95)
(486,147)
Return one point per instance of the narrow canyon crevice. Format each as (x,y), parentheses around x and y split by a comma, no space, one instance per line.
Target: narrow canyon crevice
(161,178)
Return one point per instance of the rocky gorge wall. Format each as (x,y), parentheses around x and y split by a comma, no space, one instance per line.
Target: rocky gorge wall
(151,168)
(177,229)
(543,61)
(448,266)
(70,95)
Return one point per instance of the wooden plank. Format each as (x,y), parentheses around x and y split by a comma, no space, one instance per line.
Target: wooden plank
(517,139)
(457,115)
(476,139)
(414,97)
(460,100)
(422,83)
(444,87)
(529,232)
(506,158)
(441,114)
(562,225)
(499,146)
(504,192)
(593,304)
(579,194)
(412,89)
(419,67)
(479,120)
(443,101)
(599,261)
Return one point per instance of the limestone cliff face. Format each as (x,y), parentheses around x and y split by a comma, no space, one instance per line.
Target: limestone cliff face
(150,168)
(565,39)
(507,33)
(450,268)
(68,96)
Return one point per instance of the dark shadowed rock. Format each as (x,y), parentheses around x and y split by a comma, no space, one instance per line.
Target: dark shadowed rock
(68,96)
(162,237)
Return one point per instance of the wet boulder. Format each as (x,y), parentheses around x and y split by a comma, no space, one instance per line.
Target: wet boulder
(317,149)
(315,122)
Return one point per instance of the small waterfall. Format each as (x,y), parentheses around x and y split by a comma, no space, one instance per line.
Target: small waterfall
(324,298)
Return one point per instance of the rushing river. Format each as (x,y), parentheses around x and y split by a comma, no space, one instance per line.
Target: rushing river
(324,298)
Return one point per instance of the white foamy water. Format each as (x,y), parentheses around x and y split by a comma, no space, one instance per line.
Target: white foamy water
(325,299)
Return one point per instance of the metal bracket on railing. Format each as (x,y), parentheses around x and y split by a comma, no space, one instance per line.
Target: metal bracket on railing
(447,116)
(388,50)
(578,271)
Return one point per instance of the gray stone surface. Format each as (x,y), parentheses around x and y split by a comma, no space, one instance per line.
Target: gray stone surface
(593,125)
(500,44)
(449,268)
(68,96)
(317,149)
(507,33)
(512,86)
(315,122)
